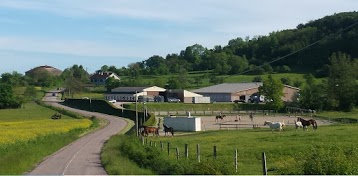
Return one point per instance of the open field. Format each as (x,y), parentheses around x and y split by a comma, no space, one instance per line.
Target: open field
(29,134)
(286,151)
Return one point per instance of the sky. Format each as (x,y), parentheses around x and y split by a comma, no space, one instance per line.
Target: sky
(93,33)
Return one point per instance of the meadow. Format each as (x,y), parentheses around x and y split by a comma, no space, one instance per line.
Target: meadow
(29,134)
(329,150)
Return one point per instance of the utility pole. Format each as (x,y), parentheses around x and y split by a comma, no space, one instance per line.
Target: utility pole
(136,112)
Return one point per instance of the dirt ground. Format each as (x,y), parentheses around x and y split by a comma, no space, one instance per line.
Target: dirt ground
(209,123)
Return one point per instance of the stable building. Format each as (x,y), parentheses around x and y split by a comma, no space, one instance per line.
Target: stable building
(129,94)
(229,92)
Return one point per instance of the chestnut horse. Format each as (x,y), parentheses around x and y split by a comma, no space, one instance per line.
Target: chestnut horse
(146,130)
(306,123)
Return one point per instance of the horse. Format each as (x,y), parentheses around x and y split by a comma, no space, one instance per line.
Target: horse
(306,123)
(251,116)
(298,124)
(146,130)
(275,125)
(221,117)
(168,130)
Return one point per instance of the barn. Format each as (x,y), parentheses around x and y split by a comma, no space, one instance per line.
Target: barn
(229,92)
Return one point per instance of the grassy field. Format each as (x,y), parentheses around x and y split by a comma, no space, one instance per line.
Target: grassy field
(336,115)
(286,152)
(29,134)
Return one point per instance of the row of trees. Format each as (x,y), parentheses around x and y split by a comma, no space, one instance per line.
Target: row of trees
(257,55)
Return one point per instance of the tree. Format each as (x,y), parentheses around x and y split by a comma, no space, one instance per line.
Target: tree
(112,83)
(7,99)
(342,82)
(30,93)
(313,96)
(273,91)
(73,86)
(160,81)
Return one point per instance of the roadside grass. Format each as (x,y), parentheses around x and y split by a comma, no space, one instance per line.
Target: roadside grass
(34,135)
(287,152)
(115,162)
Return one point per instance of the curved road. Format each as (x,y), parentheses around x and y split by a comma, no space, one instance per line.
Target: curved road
(82,157)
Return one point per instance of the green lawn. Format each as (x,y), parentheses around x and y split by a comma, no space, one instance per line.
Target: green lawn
(285,151)
(329,150)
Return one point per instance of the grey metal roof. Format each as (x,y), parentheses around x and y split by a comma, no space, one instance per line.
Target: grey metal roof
(228,87)
(129,89)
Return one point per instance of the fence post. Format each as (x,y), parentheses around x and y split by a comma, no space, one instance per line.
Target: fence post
(146,141)
(214,152)
(168,148)
(150,143)
(186,151)
(264,168)
(198,152)
(143,142)
(177,153)
(236,164)
(155,144)
(161,146)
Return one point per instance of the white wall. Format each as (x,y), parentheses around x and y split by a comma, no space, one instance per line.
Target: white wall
(183,123)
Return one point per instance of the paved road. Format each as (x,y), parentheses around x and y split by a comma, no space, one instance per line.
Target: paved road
(81,157)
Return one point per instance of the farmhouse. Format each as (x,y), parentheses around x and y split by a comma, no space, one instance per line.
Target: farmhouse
(100,77)
(229,92)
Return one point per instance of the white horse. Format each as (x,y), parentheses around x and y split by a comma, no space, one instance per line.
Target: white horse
(298,124)
(275,125)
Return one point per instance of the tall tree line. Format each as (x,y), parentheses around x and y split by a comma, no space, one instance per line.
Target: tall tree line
(254,55)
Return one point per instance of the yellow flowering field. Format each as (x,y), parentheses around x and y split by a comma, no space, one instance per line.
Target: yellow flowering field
(21,131)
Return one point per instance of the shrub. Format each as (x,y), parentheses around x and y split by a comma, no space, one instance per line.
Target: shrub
(331,161)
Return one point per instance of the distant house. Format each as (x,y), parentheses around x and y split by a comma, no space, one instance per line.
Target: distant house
(229,92)
(99,78)
(51,70)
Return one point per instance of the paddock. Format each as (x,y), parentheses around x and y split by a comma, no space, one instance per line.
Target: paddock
(244,122)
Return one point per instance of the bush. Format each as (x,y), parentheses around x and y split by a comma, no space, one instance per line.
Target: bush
(152,158)
(331,161)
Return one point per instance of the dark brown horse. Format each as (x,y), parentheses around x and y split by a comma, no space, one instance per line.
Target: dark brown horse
(306,123)
(168,130)
(146,130)
(221,117)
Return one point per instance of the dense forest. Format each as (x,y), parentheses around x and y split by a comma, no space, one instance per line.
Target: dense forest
(309,46)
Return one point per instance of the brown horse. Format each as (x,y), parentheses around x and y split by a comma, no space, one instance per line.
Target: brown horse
(221,117)
(306,123)
(146,130)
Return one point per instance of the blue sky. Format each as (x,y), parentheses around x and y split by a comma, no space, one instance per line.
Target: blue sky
(93,33)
